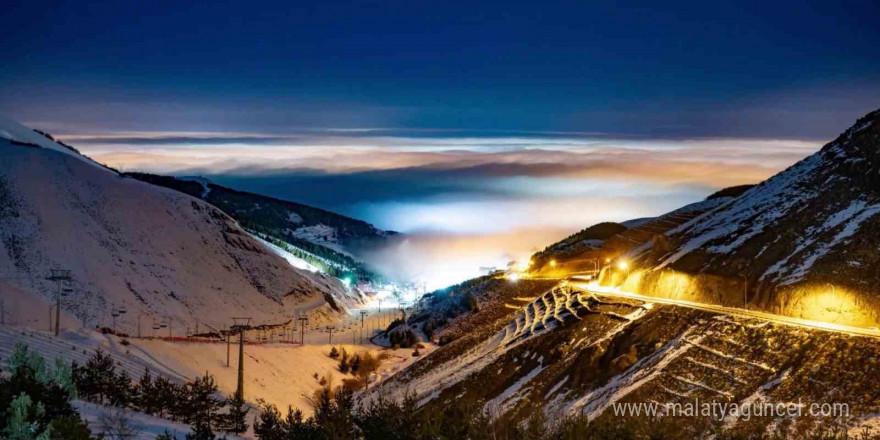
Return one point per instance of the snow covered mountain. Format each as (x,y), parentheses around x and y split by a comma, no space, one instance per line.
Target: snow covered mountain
(161,255)
(324,239)
(803,243)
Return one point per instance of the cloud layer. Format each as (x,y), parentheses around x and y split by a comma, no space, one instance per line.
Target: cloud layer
(464,201)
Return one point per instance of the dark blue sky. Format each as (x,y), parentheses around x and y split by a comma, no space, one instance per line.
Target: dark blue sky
(764,69)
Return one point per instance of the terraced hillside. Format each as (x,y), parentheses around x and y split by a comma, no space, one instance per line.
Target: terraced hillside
(569,353)
(465,310)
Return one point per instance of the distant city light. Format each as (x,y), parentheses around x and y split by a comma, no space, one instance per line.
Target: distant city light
(552,263)
(623,265)
(524,265)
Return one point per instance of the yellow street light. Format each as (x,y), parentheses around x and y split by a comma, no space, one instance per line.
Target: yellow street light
(623,265)
(552,263)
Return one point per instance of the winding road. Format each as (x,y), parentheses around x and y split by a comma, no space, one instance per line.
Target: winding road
(597,290)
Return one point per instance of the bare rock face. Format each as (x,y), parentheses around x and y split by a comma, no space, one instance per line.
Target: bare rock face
(153,251)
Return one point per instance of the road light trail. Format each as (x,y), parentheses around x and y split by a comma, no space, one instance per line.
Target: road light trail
(733,311)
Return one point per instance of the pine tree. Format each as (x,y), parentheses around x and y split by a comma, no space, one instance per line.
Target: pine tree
(169,398)
(334,353)
(235,419)
(200,432)
(269,425)
(201,405)
(167,435)
(355,364)
(343,363)
(35,397)
(20,424)
(95,381)
(69,428)
(300,429)
(147,399)
(121,392)
(334,414)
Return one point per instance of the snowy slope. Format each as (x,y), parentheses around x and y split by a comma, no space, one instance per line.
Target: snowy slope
(128,244)
(568,353)
(328,241)
(809,232)
(805,241)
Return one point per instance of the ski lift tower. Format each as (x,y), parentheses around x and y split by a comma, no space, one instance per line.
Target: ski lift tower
(242,325)
(302,329)
(59,276)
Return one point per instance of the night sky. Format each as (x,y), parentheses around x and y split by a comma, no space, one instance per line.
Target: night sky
(701,68)
(501,126)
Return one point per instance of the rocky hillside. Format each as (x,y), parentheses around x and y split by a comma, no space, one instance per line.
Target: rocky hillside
(324,239)
(571,354)
(159,254)
(802,243)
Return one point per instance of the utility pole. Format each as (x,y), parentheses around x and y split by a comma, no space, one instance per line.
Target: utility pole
(228,334)
(330,329)
(302,329)
(59,276)
(241,324)
(745,290)
(363,312)
(114,314)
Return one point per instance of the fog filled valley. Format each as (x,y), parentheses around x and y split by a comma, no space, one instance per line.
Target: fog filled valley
(740,298)
(397,220)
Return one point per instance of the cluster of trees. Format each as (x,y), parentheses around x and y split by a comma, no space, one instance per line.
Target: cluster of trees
(361,366)
(349,364)
(403,338)
(339,416)
(196,402)
(35,400)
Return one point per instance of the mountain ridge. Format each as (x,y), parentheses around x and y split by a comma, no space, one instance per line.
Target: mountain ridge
(520,350)
(152,251)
